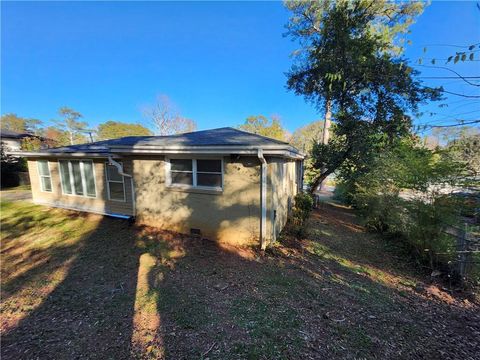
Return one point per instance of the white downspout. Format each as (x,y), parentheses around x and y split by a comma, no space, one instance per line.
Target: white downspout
(263,200)
(120,171)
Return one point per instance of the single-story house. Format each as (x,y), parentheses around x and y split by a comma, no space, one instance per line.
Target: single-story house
(224,184)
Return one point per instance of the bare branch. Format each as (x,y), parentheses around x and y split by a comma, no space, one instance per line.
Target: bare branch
(166,119)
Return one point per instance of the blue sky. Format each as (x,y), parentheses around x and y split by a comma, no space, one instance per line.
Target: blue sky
(218,61)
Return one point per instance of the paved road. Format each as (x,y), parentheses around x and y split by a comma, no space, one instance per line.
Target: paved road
(15,195)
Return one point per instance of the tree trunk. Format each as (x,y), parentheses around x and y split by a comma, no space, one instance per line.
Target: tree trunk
(325,135)
(327,123)
(325,172)
(318,181)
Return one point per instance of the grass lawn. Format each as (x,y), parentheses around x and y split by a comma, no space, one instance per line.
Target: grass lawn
(82,285)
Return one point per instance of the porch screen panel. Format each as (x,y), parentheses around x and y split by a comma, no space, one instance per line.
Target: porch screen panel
(77,177)
(116,185)
(89,178)
(65,177)
(45,178)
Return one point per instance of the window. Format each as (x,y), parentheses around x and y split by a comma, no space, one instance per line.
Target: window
(44,174)
(181,171)
(115,184)
(77,177)
(209,173)
(200,173)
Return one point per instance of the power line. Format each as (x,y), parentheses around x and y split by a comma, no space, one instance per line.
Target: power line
(446,122)
(452,45)
(459,124)
(446,59)
(461,101)
(455,116)
(448,77)
(470,103)
(463,95)
(452,71)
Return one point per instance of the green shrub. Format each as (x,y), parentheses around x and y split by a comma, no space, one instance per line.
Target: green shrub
(301,211)
(399,196)
(302,208)
(342,193)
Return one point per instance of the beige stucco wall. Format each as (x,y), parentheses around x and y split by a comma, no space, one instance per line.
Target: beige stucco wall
(283,185)
(231,216)
(99,204)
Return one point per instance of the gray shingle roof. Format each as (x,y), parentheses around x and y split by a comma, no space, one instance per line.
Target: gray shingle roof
(226,136)
(5,133)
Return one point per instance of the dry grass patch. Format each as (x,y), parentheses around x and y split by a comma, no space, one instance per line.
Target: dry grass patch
(84,286)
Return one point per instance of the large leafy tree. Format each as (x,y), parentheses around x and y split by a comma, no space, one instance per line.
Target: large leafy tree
(304,137)
(463,147)
(19,124)
(115,129)
(349,66)
(54,136)
(71,124)
(261,125)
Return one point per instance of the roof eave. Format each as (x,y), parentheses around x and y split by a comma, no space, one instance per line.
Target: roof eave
(273,150)
(37,154)
(282,151)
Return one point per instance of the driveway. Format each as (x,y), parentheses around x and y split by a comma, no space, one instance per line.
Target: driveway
(15,195)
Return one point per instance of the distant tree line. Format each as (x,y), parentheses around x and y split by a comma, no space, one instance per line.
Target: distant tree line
(161,118)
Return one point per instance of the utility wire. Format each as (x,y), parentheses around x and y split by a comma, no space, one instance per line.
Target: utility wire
(463,95)
(452,71)
(453,117)
(452,125)
(448,77)
(452,45)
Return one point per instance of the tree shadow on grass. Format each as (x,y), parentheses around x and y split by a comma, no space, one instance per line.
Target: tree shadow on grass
(89,314)
(222,302)
(132,292)
(30,259)
(375,303)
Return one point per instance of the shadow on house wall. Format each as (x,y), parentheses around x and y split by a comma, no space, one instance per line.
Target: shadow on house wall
(230,216)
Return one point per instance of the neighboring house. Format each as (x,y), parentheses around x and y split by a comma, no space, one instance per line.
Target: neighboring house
(13,173)
(223,184)
(12,140)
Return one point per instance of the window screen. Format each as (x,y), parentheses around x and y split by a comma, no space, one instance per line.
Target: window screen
(77,177)
(209,173)
(196,172)
(181,171)
(89,178)
(65,177)
(116,185)
(45,178)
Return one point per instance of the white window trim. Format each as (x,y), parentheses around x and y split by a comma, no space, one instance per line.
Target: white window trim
(82,174)
(40,176)
(115,181)
(194,173)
